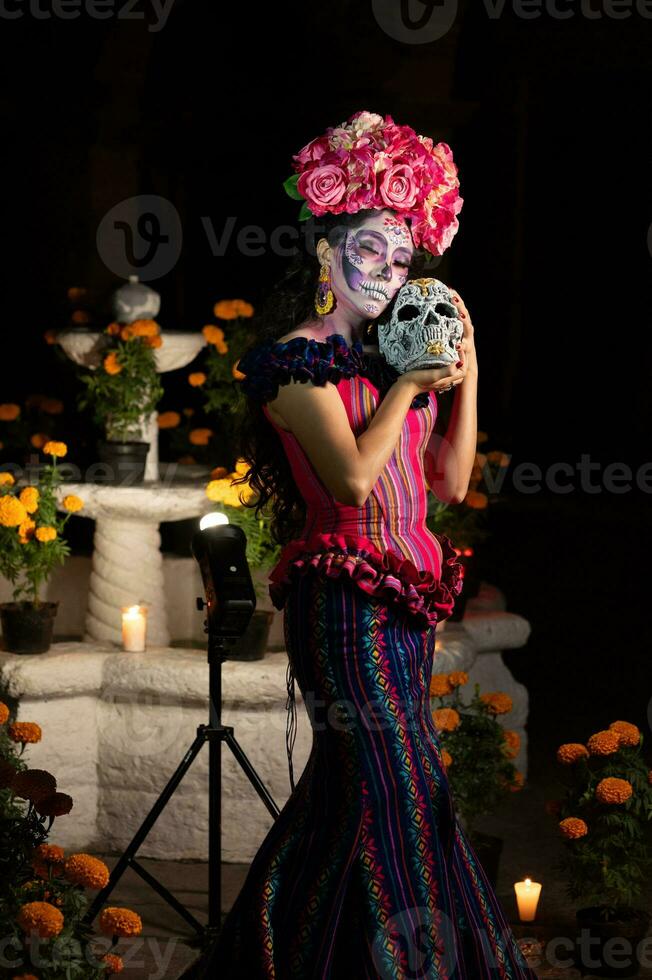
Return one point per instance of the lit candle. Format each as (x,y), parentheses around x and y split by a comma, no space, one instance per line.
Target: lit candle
(134,628)
(527,897)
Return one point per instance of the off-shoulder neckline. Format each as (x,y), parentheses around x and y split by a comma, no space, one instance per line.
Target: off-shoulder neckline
(355,345)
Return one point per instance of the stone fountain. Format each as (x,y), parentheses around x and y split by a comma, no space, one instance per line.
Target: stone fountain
(127,560)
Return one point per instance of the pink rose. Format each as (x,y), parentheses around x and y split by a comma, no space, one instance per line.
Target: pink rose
(398,188)
(311,153)
(323,188)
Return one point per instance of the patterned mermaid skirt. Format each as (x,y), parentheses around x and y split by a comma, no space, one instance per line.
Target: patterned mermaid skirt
(366,872)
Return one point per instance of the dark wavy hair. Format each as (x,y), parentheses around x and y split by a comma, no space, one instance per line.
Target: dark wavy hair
(290,304)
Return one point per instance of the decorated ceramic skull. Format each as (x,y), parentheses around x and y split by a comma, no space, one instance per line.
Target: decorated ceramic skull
(423,329)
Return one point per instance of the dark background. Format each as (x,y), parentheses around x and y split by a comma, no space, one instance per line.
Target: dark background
(549,122)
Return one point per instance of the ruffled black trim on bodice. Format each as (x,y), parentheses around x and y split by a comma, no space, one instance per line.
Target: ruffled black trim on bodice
(273,363)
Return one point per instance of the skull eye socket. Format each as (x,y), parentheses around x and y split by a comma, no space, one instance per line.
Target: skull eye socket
(445,309)
(408,312)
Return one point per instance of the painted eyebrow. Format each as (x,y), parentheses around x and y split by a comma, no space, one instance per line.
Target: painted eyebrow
(385,241)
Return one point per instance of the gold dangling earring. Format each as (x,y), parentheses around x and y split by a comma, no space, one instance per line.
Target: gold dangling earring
(324,299)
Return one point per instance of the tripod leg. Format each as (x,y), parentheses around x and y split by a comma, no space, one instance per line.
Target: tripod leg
(251,773)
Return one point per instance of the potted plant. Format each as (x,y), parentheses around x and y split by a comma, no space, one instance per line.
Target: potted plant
(603,816)
(463,523)
(477,753)
(31,545)
(123,392)
(262,552)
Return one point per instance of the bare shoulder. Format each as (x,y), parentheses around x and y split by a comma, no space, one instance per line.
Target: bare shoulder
(308,334)
(272,406)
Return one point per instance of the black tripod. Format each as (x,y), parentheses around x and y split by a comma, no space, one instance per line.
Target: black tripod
(214,733)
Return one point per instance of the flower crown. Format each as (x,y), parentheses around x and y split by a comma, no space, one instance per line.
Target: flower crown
(370,162)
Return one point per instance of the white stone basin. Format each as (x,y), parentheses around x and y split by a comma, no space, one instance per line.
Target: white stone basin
(179,348)
(148,504)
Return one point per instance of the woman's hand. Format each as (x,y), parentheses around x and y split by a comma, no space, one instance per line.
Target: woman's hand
(467,349)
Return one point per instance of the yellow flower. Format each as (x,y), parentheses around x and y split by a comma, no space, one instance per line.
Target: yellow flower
(231,309)
(52,448)
(46,534)
(9,412)
(440,685)
(497,702)
(168,420)
(629,734)
(571,752)
(458,677)
(476,500)
(613,790)
(446,719)
(86,870)
(111,364)
(213,334)
(38,440)
(12,512)
(219,473)
(197,379)
(26,531)
(200,437)
(115,921)
(72,503)
(6,479)
(42,918)
(241,467)
(573,827)
(604,743)
(512,743)
(29,498)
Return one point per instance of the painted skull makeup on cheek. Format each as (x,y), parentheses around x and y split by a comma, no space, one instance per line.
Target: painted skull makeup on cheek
(369,264)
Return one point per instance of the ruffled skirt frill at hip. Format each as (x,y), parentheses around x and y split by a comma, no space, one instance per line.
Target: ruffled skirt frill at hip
(366,872)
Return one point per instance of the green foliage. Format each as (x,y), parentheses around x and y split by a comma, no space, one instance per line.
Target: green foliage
(290,187)
(482,774)
(609,866)
(28,563)
(221,392)
(120,401)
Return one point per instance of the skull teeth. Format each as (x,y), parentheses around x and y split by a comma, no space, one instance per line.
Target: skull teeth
(376,292)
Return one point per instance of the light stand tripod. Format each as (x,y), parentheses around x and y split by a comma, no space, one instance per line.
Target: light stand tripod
(214,733)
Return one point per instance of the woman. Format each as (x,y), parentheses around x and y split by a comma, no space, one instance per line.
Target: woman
(366,872)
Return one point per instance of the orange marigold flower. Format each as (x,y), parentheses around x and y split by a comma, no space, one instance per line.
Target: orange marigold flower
(222,347)
(219,473)
(46,534)
(50,336)
(476,500)
(116,921)
(72,503)
(230,309)
(446,758)
(238,375)
(458,677)
(113,962)
(24,731)
(53,448)
(51,406)
(512,743)
(200,437)
(26,530)
(145,328)
(112,364)
(54,805)
(38,440)
(629,734)
(12,512)
(446,719)
(440,685)
(113,329)
(9,412)
(32,784)
(497,702)
(49,853)
(76,293)
(518,781)
(40,917)
(24,976)
(613,790)
(154,342)
(29,497)
(213,334)
(571,752)
(197,379)
(604,743)
(6,479)
(573,827)
(80,316)
(4,713)
(553,808)
(168,420)
(86,870)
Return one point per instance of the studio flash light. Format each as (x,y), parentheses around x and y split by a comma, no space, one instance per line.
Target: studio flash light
(220,550)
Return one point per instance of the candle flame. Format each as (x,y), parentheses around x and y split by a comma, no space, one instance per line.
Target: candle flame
(528,882)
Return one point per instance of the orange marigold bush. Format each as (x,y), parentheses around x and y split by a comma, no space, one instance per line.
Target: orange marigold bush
(117,921)
(458,678)
(86,870)
(440,685)
(446,719)
(603,743)
(613,790)
(573,827)
(114,963)
(629,734)
(571,752)
(24,731)
(213,334)
(40,917)
(498,702)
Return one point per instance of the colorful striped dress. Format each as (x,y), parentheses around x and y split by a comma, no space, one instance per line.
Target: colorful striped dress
(366,872)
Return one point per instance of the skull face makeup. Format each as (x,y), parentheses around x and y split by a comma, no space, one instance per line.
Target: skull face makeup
(423,329)
(371,264)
